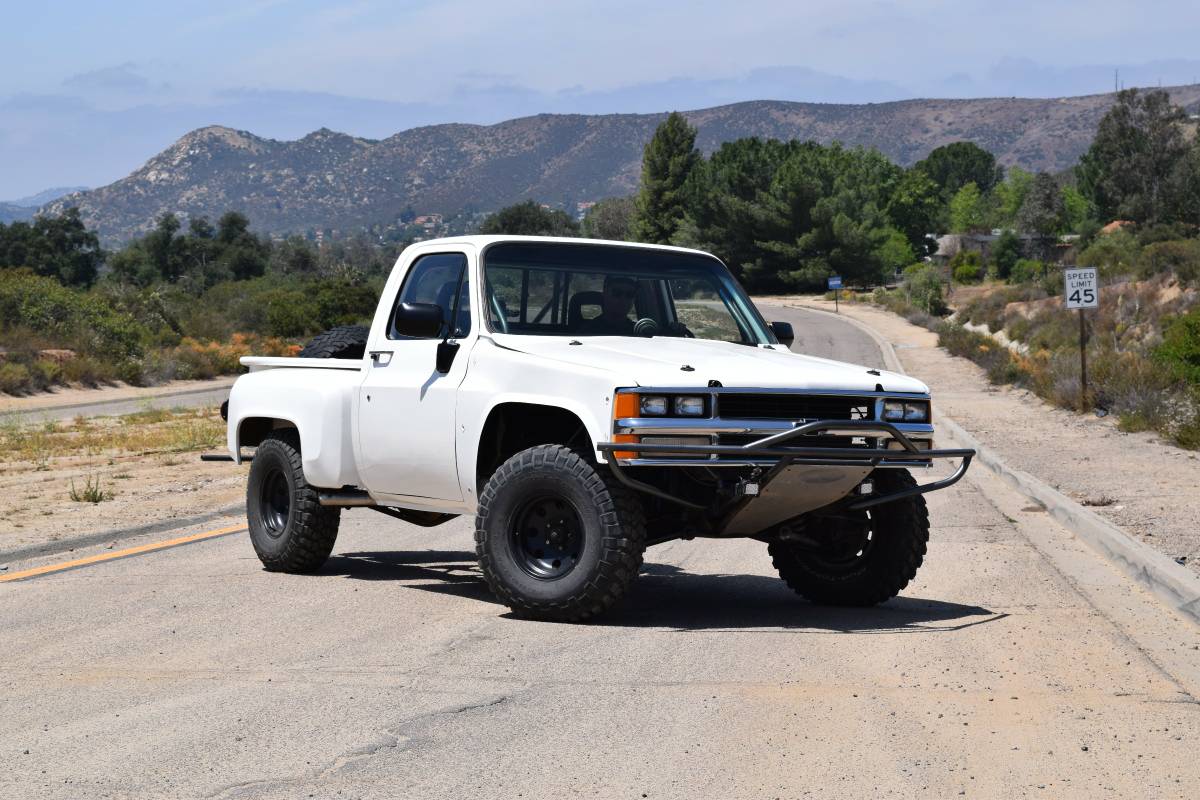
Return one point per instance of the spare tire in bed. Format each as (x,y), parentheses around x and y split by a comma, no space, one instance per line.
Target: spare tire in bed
(344,341)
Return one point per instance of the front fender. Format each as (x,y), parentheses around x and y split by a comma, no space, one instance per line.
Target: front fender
(498,375)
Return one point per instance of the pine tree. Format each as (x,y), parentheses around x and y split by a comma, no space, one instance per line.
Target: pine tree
(666,163)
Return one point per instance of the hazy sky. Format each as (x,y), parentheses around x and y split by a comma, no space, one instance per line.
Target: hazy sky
(89,91)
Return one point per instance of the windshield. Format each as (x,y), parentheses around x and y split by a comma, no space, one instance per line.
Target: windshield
(556,289)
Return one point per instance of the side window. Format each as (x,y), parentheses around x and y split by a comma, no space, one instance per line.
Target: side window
(441,279)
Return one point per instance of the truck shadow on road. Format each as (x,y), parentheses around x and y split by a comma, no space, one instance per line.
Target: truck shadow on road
(666,596)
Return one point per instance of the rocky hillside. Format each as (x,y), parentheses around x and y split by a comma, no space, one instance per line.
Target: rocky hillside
(330,179)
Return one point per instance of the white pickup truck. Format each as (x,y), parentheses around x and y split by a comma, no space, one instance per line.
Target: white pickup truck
(584,400)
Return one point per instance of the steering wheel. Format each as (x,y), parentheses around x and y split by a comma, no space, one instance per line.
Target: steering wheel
(645,327)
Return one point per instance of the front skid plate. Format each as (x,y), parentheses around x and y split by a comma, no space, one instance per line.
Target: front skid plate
(794,491)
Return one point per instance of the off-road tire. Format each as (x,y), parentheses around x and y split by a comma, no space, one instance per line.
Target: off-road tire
(609,515)
(345,341)
(900,535)
(301,540)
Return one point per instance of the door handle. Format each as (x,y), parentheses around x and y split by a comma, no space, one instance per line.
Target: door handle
(375,354)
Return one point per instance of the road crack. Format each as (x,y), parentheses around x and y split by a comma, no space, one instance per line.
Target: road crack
(395,738)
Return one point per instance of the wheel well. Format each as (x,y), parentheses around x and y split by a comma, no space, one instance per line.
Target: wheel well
(252,430)
(513,427)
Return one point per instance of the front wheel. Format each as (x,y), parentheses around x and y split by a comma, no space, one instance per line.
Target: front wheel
(557,538)
(290,530)
(862,558)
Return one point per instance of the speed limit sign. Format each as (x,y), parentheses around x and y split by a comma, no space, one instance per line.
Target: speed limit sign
(1081,291)
(1080,288)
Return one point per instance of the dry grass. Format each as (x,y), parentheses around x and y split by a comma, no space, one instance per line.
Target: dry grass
(146,432)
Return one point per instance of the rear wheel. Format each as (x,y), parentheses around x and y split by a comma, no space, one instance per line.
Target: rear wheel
(290,530)
(557,537)
(864,558)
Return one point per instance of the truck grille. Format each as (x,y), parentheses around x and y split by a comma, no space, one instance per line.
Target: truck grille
(793,406)
(811,440)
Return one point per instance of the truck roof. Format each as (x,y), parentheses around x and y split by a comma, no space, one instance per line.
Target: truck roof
(481,241)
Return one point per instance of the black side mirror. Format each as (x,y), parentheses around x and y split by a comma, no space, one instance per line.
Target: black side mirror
(783,332)
(419,320)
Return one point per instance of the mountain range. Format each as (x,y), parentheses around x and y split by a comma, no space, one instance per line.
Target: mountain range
(25,207)
(334,180)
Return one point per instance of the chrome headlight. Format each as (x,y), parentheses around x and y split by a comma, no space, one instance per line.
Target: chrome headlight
(653,405)
(689,406)
(916,412)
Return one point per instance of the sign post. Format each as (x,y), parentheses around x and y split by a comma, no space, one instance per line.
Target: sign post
(835,283)
(1082,291)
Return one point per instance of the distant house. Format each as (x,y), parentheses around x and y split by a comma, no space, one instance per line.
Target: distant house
(950,245)
(429,221)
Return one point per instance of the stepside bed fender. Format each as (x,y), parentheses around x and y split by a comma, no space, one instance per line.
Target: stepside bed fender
(316,404)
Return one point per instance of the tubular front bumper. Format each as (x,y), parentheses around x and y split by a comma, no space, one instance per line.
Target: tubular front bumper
(773,448)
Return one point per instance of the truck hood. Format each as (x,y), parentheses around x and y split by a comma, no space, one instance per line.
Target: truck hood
(661,361)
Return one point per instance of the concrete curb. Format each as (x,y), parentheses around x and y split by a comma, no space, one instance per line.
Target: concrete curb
(1174,585)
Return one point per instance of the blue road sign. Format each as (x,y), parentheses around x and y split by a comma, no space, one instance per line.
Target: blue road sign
(835,282)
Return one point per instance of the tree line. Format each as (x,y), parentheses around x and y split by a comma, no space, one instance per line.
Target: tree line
(785,215)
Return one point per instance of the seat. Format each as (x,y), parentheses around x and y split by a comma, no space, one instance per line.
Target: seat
(575,307)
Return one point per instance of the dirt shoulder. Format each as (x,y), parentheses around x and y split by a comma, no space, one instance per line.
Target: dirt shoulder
(124,472)
(1134,480)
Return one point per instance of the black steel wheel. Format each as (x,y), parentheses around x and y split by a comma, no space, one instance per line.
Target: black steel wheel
(290,530)
(557,537)
(275,502)
(548,537)
(864,558)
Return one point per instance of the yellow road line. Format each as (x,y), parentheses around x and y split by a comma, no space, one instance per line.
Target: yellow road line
(131,551)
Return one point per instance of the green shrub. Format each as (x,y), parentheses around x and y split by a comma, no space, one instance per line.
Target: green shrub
(1188,434)
(923,288)
(1113,254)
(1182,258)
(995,358)
(967,266)
(71,318)
(1006,252)
(1179,351)
(968,273)
(15,378)
(1026,270)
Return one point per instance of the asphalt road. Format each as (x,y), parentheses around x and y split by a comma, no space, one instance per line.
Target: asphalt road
(1016,665)
(190,398)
